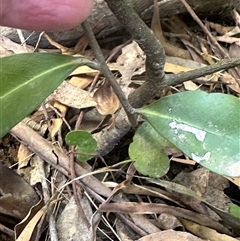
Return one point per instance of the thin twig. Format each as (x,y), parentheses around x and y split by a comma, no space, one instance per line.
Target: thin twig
(79,119)
(75,194)
(22,39)
(111,55)
(175,79)
(46,197)
(73,175)
(108,74)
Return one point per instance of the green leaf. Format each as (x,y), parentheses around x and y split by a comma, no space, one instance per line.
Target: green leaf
(206,127)
(26,80)
(147,150)
(86,144)
(234,210)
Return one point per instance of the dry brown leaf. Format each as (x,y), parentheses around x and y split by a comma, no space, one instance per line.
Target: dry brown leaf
(124,232)
(62,108)
(167,221)
(31,213)
(83,70)
(234,31)
(195,53)
(177,25)
(56,125)
(31,172)
(4,52)
(8,47)
(28,230)
(205,232)
(228,39)
(197,181)
(174,68)
(24,155)
(156,25)
(169,48)
(189,85)
(207,185)
(206,56)
(155,208)
(143,222)
(57,122)
(170,235)
(131,62)
(107,100)
(70,225)
(234,49)
(73,97)
(235,180)
(149,191)
(81,81)
(220,28)
(230,81)
(63,49)
(86,70)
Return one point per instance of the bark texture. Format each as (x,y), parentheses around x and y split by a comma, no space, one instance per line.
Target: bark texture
(106,23)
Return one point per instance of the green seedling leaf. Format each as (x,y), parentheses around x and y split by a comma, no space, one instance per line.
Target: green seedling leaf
(85,143)
(234,210)
(206,127)
(27,79)
(147,152)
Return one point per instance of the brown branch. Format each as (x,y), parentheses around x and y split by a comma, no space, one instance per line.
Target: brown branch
(155,55)
(175,79)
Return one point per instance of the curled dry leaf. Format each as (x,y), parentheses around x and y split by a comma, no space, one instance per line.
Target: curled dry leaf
(57,122)
(131,62)
(8,47)
(107,100)
(24,155)
(29,222)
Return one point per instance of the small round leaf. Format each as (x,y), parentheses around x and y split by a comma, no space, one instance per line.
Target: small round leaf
(86,145)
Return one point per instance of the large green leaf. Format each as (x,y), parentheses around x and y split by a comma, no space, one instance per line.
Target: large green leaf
(147,152)
(204,126)
(26,80)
